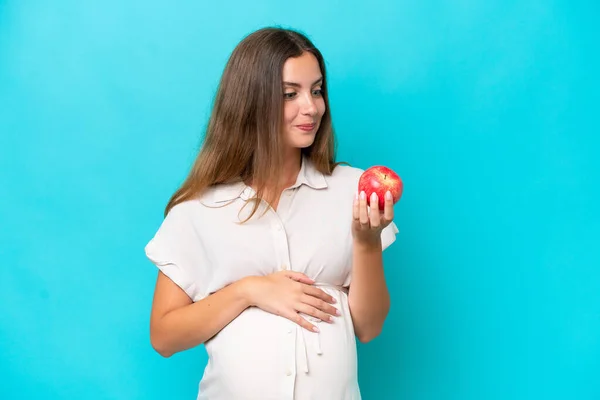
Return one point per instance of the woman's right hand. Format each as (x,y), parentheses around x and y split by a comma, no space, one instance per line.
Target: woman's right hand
(289,293)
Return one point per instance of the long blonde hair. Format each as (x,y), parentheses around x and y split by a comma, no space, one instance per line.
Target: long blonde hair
(243,137)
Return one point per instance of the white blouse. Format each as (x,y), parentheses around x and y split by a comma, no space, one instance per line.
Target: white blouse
(202,247)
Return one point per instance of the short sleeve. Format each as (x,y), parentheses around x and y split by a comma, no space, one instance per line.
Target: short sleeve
(388,235)
(177,250)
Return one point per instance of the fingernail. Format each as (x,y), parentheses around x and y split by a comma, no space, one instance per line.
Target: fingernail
(374,197)
(363,195)
(315,329)
(333,300)
(356,196)
(388,195)
(338,312)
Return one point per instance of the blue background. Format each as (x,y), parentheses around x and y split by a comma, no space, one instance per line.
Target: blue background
(487,109)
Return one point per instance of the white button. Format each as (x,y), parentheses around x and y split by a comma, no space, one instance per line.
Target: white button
(290,330)
(288,372)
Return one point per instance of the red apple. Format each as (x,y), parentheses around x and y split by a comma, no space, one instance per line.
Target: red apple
(380,179)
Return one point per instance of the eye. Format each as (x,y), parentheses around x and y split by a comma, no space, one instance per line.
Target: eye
(317,92)
(289,95)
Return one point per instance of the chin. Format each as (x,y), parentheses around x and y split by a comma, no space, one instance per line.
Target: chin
(303,143)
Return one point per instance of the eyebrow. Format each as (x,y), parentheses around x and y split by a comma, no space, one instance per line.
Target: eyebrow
(293,84)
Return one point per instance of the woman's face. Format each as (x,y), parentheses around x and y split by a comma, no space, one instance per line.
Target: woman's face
(303,102)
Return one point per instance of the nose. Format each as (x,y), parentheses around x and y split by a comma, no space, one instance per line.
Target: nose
(309,107)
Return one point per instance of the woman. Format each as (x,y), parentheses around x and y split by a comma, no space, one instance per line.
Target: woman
(267,255)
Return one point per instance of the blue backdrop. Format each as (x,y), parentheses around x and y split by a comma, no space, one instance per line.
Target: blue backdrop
(487,109)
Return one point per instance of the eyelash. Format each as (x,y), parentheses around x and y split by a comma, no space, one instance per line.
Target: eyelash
(291,95)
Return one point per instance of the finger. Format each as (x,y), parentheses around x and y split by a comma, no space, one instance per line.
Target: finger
(298,319)
(319,294)
(355,207)
(374,216)
(388,211)
(320,305)
(314,312)
(363,212)
(299,277)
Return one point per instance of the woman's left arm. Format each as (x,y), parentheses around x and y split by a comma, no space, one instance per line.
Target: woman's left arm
(368,298)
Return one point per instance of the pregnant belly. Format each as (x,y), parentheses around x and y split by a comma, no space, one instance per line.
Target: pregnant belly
(259,348)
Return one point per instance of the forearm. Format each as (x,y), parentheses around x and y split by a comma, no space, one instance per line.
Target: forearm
(196,323)
(368,298)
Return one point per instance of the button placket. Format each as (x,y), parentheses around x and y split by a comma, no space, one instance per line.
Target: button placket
(289,365)
(285,202)
(280,242)
(289,331)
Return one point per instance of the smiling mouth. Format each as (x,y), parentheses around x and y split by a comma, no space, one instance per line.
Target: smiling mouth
(306,127)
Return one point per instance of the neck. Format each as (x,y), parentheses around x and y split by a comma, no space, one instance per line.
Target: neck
(291,167)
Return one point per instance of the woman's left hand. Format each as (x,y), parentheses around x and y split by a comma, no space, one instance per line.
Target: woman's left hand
(368,222)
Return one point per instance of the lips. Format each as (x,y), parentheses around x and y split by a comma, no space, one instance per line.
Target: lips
(306,127)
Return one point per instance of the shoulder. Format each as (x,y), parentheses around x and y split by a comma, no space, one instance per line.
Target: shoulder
(343,179)
(345,173)
(182,213)
(212,197)
(187,207)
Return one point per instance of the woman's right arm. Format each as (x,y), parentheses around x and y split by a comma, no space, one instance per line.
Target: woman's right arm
(177,324)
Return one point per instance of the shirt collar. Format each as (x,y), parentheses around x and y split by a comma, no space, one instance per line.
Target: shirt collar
(308,175)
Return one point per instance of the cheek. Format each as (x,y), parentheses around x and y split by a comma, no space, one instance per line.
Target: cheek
(321,107)
(289,112)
